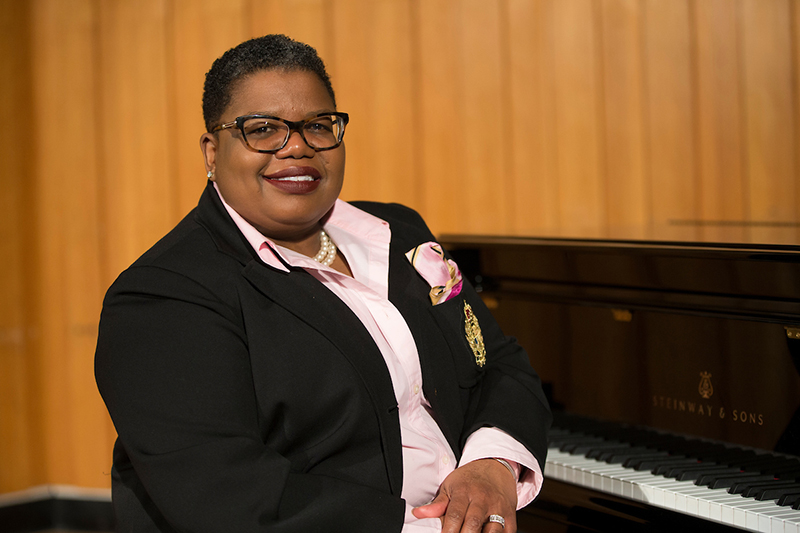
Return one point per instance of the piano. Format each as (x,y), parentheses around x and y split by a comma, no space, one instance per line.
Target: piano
(673,371)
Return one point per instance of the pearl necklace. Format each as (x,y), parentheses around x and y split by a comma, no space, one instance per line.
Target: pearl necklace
(327,250)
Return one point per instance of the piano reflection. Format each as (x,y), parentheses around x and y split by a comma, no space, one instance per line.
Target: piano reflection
(673,370)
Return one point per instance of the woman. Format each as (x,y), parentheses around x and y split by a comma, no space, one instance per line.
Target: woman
(285,361)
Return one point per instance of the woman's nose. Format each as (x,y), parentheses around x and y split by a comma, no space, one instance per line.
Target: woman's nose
(296,147)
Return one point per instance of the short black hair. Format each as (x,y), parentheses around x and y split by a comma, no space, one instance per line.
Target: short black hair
(262,53)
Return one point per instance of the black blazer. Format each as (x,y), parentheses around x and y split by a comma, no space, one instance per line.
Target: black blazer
(249,399)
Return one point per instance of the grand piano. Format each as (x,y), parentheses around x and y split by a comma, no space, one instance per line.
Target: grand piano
(673,370)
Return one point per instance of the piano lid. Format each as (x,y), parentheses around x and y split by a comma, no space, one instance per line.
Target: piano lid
(683,230)
(695,338)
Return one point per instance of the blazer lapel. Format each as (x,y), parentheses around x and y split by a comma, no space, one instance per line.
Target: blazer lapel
(408,291)
(310,301)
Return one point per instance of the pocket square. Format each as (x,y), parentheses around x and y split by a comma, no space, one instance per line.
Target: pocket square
(442,274)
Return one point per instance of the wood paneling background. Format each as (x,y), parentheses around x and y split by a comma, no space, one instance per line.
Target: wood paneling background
(665,119)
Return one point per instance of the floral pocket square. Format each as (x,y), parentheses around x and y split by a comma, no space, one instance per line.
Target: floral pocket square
(442,274)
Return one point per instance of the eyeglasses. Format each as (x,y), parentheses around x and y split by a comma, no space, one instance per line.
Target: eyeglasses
(266,134)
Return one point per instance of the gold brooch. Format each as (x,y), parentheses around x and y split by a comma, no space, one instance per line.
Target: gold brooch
(474,335)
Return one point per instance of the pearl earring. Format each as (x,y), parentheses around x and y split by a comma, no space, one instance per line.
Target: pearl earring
(210,174)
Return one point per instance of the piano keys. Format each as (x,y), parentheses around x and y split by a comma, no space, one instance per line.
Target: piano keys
(748,489)
(673,371)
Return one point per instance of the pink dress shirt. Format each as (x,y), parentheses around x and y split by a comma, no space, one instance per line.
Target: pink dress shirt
(427,458)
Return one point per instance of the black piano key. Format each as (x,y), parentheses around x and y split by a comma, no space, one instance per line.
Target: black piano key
(570,447)
(788,499)
(651,463)
(598,449)
(786,474)
(665,467)
(694,474)
(727,481)
(751,486)
(634,460)
(620,456)
(584,448)
(678,469)
(755,489)
(765,464)
(559,441)
(711,477)
(775,493)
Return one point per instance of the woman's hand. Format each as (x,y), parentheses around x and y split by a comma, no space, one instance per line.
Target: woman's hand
(470,494)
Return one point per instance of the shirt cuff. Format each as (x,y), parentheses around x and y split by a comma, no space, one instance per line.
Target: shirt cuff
(412,524)
(488,442)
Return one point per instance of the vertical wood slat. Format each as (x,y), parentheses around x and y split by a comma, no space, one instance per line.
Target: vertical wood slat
(19,448)
(371,67)
(140,196)
(68,287)
(308,21)
(533,118)
(578,128)
(722,196)
(795,31)
(627,190)
(441,104)
(670,118)
(201,32)
(482,132)
(769,107)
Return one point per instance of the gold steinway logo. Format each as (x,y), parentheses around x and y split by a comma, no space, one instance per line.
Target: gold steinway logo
(706,410)
(706,389)
(474,335)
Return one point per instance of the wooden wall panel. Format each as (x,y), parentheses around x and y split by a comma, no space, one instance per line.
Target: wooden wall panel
(627,189)
(668,119)
(720,125)
(533,118)
(769,93)
(68,289)
(139,193)
(308,21)
(579,99)
(482,130)
(441,166)
(17,419)
(197,33)
(372,73)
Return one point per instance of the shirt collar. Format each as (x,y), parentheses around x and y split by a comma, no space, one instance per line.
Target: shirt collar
(360,236)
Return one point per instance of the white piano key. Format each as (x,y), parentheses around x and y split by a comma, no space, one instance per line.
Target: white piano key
(792,525)
(719,504)
(775,519)
(681,496)
(746,513)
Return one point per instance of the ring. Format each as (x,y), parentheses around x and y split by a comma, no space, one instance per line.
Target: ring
(497,519)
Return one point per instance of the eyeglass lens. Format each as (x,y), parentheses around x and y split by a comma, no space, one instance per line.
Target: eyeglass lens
(270,134)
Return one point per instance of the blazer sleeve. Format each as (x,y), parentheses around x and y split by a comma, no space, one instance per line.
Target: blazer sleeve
(173,367)
(508,394)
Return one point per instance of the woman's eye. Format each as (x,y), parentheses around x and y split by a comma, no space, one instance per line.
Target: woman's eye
(264,129)
(320,127)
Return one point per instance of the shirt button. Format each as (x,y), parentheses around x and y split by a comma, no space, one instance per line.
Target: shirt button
(446,460)
(416,389)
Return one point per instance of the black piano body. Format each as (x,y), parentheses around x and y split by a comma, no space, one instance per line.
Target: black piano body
(696,340)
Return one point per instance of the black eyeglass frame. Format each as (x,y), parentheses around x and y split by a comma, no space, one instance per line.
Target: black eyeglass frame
(294,126)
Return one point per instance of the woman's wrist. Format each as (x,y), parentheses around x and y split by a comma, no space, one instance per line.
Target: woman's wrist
(507,465)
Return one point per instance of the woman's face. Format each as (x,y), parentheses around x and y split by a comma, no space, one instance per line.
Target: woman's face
(263,188)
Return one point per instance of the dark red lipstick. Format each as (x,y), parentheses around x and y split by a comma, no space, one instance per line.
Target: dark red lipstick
(295,180)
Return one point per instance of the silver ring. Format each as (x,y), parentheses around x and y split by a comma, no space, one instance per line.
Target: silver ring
(496,518)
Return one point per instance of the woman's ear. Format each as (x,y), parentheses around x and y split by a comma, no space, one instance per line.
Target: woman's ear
(208,145)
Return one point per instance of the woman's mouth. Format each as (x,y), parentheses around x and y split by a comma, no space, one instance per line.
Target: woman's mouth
(295,180)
